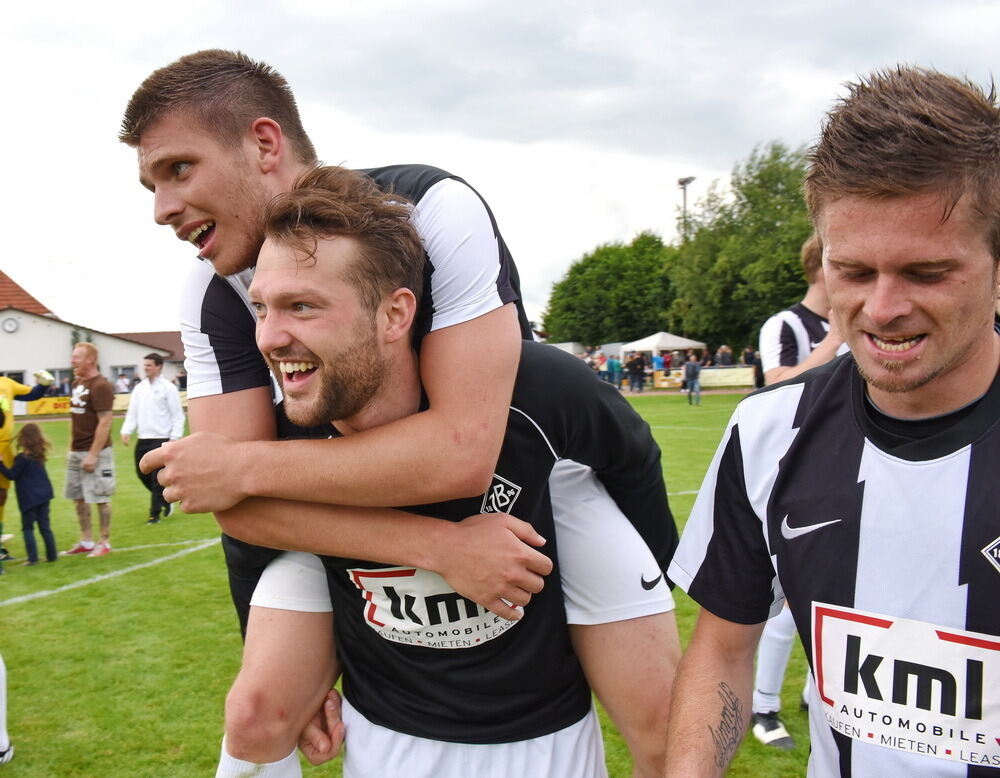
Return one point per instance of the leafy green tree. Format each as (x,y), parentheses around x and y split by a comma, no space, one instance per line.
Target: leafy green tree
(741,263)
(618,292)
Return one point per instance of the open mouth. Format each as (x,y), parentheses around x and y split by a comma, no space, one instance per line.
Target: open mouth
(296,372)
(895,344)
(199,236)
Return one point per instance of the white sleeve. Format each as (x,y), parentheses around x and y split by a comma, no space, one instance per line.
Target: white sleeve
(461,243)
(130,423)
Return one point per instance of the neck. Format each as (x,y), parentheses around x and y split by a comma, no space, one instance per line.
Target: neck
(398,397)
(817,301)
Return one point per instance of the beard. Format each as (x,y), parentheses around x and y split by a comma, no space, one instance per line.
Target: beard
(348,382)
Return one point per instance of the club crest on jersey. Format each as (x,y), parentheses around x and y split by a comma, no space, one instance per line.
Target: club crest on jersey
(500,497)
(992,553)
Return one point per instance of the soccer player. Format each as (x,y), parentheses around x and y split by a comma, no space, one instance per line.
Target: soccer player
(791,342)
(218,136)
(433,684)
(865,491)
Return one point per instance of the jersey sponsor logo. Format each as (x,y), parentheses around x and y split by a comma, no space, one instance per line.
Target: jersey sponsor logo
(418,608)
(501,495)
(647,585)
(789,533)
(908,685)
(992,553)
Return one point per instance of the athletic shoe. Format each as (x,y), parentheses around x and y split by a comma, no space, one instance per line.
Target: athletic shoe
(770,731)
(153,520)
(6,556)
(170,509)
(6,756)
(29,563)
(79,548)
(5,537)
(101,549)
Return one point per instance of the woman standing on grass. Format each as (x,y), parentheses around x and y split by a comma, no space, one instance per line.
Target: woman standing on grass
(34,490)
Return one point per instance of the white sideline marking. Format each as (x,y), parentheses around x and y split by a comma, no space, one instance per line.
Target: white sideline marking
(203,544)
(677,494)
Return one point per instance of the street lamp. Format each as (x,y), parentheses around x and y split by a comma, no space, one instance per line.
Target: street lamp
(683,184)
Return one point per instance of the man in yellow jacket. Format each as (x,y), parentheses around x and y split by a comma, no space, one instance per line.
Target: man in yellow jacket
(9,390)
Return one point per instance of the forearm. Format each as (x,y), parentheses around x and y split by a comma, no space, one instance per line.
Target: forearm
(710,705)
(101,435)
(378,535)
(419,459)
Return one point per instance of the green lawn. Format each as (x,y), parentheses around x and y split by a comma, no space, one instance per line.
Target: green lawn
(118,666)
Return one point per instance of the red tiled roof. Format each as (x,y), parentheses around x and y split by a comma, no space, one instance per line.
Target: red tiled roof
(13,296)
(167,341)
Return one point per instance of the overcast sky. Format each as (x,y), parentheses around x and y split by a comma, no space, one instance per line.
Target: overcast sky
(573,119)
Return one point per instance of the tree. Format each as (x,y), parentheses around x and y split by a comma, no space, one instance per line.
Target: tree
(618,292)
(741,263)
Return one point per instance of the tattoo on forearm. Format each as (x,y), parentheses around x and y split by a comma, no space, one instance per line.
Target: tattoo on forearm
(727,737)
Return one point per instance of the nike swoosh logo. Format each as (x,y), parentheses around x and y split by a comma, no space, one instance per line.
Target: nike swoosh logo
(647,585)
(788,533)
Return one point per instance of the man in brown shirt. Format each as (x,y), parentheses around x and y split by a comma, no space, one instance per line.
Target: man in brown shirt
(90,465)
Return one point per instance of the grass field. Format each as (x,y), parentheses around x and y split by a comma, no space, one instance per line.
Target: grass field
(118,666)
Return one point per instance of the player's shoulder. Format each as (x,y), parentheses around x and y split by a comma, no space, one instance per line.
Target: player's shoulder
(809,386)
(411,180)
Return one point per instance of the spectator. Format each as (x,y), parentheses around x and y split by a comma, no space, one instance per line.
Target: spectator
(90,466)
(692,375)
(155,410)
(34,491)
(636,369)
(614,366)
(181,380)
(9,391)
(122,384)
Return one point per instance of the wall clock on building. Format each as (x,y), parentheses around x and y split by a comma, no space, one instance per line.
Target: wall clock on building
(10,325)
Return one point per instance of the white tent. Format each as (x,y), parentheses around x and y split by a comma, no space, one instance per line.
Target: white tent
(662,341)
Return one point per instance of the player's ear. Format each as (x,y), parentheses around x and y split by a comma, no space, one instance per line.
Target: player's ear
(267,142)
(399,309)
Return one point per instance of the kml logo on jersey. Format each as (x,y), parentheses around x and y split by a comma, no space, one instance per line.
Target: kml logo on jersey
(418,608)
(909,685)
(500,497)
(992,553)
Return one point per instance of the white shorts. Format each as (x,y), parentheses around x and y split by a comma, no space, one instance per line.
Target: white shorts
(604,561)
(371,750)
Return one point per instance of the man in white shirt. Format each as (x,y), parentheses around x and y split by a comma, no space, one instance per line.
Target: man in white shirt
(155,410)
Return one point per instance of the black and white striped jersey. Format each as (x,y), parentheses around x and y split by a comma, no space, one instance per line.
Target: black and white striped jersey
(419,658)
(789,336)
(468,272)
(884,536)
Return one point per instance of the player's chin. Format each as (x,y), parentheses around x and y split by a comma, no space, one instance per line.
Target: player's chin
(302,412)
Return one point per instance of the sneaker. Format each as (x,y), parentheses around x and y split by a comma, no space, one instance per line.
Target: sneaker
(770,731)
(6,756)
(6,556)
(153,520)
(79,548)
(170,509)
(29,563)
(6,537)
(101,549)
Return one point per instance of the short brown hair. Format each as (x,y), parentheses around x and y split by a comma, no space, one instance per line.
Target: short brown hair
(812,257)
(224,91)
(910,131)
(331,201)
(155,358)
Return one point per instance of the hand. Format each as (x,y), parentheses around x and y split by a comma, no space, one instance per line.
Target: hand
(201,472)
(43,377)
(125,438)
(492,563)
(89,463)
(323,736)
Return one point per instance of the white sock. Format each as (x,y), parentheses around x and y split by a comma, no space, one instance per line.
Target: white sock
(231,767)
(772,660)
(4,737)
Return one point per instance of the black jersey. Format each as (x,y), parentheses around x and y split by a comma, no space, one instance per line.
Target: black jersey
(884,536)
(468,272)
(420,659)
